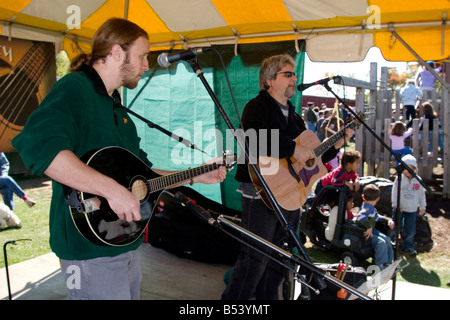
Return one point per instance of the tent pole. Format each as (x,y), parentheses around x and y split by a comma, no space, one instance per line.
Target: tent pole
(422,62)
(125,13)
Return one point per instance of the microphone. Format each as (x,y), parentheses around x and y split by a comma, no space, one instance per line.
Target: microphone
(165,59)
(200,212)
(305,86)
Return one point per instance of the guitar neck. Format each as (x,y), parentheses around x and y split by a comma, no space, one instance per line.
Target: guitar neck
(331,141)
(166,181)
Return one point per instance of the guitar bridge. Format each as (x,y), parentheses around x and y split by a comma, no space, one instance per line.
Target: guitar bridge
(91,204)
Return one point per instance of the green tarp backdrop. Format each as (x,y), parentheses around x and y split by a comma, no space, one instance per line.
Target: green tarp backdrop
(176,99)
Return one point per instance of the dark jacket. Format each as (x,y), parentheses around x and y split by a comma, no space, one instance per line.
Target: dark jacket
(263,112)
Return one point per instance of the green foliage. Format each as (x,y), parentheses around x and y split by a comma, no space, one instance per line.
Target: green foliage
(62,64)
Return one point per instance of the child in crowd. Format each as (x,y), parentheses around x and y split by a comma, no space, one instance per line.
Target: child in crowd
(398,135)
(367,218)
(412,201)
(345,174)
(350,206)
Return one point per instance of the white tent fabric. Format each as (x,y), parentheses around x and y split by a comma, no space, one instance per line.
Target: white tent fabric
(334,30)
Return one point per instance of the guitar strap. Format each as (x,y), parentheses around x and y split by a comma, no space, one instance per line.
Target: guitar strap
(292,170)
(72,198)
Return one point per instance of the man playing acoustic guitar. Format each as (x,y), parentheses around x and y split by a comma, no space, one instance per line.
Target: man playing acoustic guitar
(255,274)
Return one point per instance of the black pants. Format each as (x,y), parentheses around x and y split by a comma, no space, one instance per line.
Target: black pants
(410,113)
(254,274)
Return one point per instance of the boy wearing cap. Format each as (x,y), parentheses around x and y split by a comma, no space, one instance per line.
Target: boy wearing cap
(412,201)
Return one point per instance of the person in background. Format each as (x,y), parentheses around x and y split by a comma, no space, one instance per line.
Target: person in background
(345,174)
(311,117)
(429,114)
(412,202)
(410,95)
(425,80)
(367,218)
(320,132)
(332,124)
(398,135)
(9,186)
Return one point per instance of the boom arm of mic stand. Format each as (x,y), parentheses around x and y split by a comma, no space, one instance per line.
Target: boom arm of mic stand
(275,206)
(295,259)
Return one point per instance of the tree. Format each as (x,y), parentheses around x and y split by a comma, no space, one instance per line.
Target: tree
(396,81)
(62,64)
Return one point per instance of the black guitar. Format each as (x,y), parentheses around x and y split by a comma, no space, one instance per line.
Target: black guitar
(92,215)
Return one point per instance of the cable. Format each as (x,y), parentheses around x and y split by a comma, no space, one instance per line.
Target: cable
(229,85)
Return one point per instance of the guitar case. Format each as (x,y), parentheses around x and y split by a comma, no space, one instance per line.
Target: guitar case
(176,229)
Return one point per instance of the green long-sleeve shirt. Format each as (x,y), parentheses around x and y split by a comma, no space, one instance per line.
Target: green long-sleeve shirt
(77,115)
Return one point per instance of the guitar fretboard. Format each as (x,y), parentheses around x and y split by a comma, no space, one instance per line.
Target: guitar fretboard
(332,140)
(169,180)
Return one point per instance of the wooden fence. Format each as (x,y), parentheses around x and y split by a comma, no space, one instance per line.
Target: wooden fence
(379,116)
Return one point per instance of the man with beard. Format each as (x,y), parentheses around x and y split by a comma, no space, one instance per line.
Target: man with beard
(254,274)
(81,113)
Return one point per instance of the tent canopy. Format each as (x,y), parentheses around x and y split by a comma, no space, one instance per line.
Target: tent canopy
(334,30)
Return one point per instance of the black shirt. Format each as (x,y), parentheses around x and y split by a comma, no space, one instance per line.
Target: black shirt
(263,112)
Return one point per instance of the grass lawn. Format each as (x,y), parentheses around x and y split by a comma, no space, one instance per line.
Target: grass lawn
(34,226)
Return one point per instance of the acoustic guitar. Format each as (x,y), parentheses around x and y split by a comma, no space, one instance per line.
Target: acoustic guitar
(289,180)
(23,83)
(92,215)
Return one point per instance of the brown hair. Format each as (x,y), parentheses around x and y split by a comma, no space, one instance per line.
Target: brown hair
(398,129)
(429,110)
(371,192)
(350,156)
(113,31)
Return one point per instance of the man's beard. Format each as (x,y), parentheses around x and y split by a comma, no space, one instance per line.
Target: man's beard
(126,71)
(289,93)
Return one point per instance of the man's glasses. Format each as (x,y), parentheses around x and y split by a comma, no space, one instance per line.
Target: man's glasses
(287,74)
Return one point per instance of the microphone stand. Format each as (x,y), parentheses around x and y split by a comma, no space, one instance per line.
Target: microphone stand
(402,166)
(187,143)
(5,255)
(292,258)
(306,262)
(216,220)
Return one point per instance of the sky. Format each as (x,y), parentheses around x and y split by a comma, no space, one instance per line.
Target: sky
(359,70)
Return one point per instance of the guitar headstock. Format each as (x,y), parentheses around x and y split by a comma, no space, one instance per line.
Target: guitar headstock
(352,119)
(229,159)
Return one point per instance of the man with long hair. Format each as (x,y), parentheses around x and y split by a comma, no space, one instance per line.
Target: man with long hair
(81,114)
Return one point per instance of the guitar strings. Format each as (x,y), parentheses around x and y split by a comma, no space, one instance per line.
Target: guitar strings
(160,183)
(23,82)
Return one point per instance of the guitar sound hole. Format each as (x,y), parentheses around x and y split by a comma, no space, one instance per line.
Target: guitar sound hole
(310,162)
(139,189)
